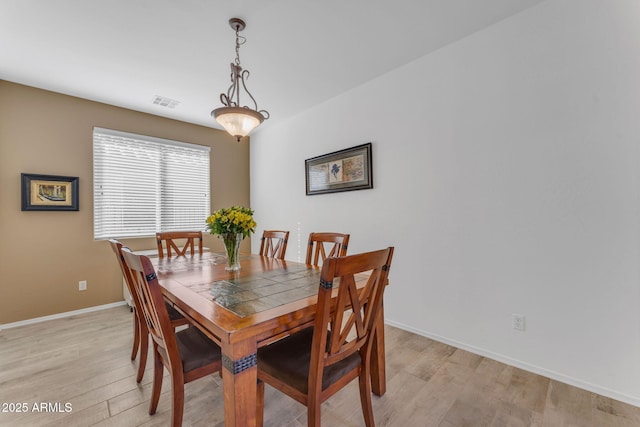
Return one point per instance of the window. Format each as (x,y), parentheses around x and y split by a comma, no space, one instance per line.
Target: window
(142,185)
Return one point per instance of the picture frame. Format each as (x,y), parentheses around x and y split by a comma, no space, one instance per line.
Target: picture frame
(344,170)
(49,192)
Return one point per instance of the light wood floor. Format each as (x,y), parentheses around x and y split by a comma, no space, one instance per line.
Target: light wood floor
(84,361)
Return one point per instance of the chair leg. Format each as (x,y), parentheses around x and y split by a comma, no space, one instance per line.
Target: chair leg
(313,412)
(365,395)
(136,335)
(177,403)
(260,404)
(144,350)
(158,371)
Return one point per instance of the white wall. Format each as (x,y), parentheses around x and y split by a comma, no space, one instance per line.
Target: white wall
(505,176)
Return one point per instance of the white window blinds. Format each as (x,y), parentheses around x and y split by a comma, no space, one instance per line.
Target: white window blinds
(143,184)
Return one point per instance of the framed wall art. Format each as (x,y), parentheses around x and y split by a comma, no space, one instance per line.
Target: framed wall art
(49,192)
(344,170)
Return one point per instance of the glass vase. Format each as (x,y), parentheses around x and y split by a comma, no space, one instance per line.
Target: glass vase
(232,246)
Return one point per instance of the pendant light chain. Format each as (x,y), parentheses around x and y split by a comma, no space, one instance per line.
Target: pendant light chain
(240,40)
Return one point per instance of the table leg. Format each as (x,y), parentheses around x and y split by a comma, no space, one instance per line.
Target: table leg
(378,359)
(239,379)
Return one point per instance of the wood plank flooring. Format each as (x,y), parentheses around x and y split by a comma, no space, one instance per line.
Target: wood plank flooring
(83,361)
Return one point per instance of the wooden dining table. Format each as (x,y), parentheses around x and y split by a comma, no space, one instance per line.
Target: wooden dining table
(265,300)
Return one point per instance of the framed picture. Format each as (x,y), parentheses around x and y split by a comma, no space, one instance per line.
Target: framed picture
(49,192)
(344,170)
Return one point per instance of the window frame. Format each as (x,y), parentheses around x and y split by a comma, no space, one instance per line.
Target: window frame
(127,165)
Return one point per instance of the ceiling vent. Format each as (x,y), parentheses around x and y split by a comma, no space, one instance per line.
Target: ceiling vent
(165,102)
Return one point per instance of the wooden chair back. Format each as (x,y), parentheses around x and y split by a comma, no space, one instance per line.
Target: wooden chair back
(169,236)
(274,243)
(343,328)
(153,310)
(117,246)
(313,364)
(140,333)
(317,251)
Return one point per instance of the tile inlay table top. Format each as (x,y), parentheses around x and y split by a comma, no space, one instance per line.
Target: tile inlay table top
(250,294)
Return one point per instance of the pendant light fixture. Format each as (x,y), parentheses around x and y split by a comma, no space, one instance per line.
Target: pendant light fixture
(237,119)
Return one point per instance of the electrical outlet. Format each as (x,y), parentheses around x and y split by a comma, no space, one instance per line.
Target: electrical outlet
(517,322)
(82,285)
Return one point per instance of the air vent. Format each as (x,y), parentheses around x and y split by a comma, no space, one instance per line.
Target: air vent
(165,102)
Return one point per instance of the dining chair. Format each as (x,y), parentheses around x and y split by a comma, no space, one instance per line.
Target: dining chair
(187,354)
(140,331)
(312,365)
(168,238)
(274,243)
(317,252)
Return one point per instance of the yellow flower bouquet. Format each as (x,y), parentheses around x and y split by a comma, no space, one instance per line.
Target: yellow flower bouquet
(233,225)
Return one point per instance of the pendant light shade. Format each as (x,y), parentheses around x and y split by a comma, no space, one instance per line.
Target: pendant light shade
(238,120)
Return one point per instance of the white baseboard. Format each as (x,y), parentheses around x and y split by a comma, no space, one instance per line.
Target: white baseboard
(603,391)
(61,315)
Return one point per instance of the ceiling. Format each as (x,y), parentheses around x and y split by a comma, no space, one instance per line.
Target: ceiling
(300,52)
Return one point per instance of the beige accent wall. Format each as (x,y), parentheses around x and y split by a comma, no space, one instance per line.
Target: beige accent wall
(43,255)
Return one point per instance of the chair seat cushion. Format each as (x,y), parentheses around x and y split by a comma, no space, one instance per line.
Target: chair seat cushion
(196,350)
(288,360)
(173,313)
